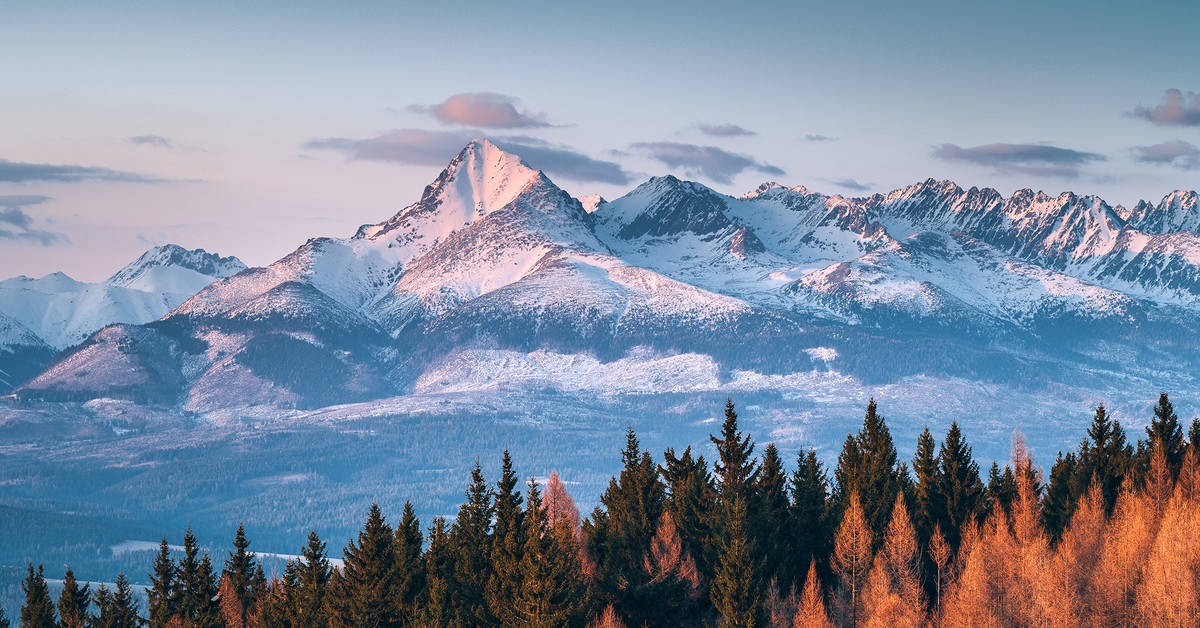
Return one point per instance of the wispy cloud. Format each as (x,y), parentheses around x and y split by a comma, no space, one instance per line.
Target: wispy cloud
(17,224)
(1176,153)
(709,161)
(850,184)
(816,137)
(151,140)
(1176,109)
(724,130)
(435,148)
(1028,159)
(22,172)
(483,109)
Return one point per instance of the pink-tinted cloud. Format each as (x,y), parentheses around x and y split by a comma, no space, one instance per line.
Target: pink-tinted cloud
(1176,109)
(483,109)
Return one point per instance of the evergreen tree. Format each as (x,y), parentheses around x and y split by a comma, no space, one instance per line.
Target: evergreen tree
(73,603)
(551,591)
(740,508)
(1001,489)
(737,584)
(507,544)
(410,570)
(1061,498)
(959,491)
(773,521)
(277,601)
(163,596)
(38,611)
(369,575)
(1194,434)
(239,575)
(619,536)
(927,501)
(868,466)
(691,502)
(810,526)
(1105,457)
(439,570)
(117,609)
(471,543)
(196,589)
(313,572)
(735,467)
(1164,428)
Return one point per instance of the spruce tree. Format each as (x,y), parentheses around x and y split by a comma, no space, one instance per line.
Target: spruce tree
(868,466)
(619,538)
(1105,457)
(163,596)
(73,602)
(691,500)
(1165,428)
(959,491)
(736,469)
(737,583)
(122,608)
(369,574)
(1001,489)
(810,525)
(1061,497)
(196,589)
(435,609)
(506,545)
(38,610)
(239,574)
(550,591)
(773,520)
(410,569)
(927,501)
(1194,434)
(471,543)
(313,572)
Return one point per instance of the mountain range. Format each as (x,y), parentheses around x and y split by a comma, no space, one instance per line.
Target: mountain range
(496,266)
(500,313)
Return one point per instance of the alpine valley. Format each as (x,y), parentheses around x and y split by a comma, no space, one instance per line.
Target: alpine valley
(499,311)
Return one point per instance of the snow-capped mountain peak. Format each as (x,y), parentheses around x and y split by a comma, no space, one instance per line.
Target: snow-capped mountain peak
(483,178)
(141,273)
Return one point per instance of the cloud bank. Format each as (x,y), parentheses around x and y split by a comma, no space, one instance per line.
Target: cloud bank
(724,130)
(708,161)
(21,172)
(1176,153)
(1027,159)
(17,224)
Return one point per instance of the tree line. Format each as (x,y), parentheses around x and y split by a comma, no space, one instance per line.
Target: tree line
(1109,537)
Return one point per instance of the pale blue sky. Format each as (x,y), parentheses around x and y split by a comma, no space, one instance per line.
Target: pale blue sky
(249,114)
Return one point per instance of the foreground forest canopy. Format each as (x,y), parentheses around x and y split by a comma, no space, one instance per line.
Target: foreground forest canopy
(1107,538)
